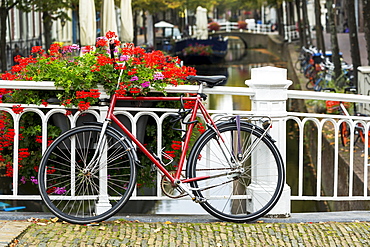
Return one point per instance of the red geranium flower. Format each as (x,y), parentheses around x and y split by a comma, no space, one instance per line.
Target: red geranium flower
(17,109)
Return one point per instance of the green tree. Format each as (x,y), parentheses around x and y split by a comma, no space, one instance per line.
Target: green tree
(299,21)
(353,38)
(366,17)
(51,10)
(334,39)
(318,26)
(5,7)
(307,30)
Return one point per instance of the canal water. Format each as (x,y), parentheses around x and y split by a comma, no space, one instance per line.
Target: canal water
(237,68)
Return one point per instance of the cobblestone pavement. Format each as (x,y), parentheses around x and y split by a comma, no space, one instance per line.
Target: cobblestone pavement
(9,230)
(128,233)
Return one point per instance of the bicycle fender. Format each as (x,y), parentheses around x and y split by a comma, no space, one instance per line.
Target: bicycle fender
(124,139)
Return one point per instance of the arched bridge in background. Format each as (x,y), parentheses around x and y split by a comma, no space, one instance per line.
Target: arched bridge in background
(256,37)
(250,40)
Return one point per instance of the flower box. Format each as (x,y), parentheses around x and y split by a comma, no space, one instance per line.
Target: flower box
(77,74)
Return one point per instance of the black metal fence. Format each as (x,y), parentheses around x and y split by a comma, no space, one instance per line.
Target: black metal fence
(20,47)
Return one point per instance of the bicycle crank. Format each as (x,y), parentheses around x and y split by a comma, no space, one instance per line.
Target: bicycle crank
(171,190)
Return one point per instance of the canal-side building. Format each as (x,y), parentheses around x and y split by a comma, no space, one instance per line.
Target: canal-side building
(25,30)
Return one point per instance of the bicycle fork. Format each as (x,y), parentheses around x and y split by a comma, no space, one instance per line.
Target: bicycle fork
(94,161)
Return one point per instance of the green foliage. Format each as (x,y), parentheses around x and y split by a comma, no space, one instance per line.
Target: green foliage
(198,49)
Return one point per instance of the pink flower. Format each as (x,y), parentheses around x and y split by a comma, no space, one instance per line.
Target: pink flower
(34,180)
(123,58)
(145,84)
(134,78)
(60,190)
(158,76)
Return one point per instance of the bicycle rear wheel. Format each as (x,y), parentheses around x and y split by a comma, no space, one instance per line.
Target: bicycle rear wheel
(78,194)
(240,188)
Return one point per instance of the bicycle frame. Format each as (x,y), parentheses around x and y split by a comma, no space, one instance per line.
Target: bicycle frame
(358,127)
(198,106)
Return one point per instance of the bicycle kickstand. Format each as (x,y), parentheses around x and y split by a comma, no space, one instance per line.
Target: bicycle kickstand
(185,188)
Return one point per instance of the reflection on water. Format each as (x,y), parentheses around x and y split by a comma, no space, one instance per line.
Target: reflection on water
(238,64)
(237,67)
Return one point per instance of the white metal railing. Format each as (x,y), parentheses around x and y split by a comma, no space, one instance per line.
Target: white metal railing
(268,93)
(228,26)
(46,113)
(290,33)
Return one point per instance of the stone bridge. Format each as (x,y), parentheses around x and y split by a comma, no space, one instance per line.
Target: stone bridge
(251,40)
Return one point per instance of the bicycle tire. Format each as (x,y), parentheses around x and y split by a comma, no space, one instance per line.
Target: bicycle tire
(234,197)
(71,191)
(310,85)
(300,63)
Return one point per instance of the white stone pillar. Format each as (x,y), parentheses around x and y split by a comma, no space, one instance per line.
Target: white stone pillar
(363,87)
(270,85)
(103,203)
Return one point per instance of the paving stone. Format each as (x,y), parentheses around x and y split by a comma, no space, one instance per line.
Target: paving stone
(188,234)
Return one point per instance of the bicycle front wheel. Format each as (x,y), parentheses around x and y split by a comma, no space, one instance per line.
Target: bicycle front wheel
(242,173)
(81,182)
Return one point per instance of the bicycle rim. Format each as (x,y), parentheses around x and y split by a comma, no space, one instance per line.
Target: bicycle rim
(80,195)
(248,189)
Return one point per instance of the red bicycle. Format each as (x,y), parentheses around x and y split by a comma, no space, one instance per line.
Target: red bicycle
(234,170)
(345,132)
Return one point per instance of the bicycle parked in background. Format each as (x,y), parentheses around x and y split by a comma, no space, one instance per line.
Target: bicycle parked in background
(344,128)
(233,170)
(319,70)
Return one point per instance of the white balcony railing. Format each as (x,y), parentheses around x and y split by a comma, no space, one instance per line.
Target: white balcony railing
(228,26)
(290,31)
(341,177)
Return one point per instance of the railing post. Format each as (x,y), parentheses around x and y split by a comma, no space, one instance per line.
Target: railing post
(270,85)
(363,87)
(103,203)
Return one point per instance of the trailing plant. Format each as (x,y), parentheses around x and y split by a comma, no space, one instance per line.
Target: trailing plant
(198,49)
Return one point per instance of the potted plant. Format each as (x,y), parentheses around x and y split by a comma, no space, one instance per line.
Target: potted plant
(198,49)
(242,25)
(79,76)
(214,26)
